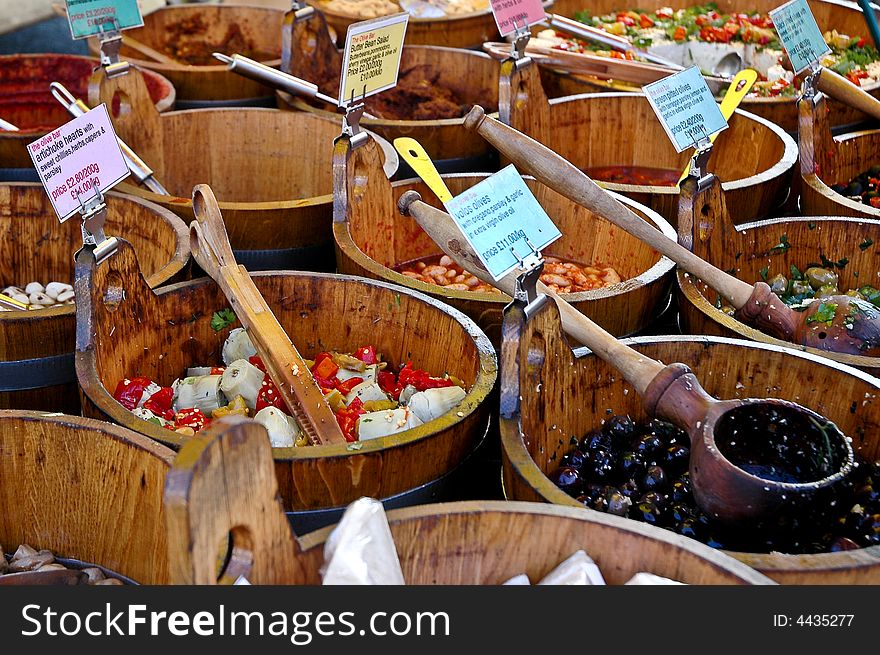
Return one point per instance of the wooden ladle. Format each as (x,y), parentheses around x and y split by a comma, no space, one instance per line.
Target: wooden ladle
(837,323)
(751,460)
(211,250)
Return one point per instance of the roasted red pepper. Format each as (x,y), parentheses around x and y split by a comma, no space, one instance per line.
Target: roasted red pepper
(367,354)
(190,418)
(130,390)
(420,379)
(347,419)
(257,361)
(160,403)
(349,384)
(326,369)
(269,396)
(389,384)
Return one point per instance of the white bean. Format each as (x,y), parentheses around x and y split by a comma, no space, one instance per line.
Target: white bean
(55,289)
(41,299)
(66,296)
(34,287)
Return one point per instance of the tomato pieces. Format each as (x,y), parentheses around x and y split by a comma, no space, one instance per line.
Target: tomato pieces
(160,403)
(420,379)
(129,391)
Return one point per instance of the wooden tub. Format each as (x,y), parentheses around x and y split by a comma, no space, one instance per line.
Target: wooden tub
(270,169)
(36,347)
(456,543)
(764,248)
(27,103)
(85,490)
(472,75)
(561,394)
(827,160)
(372,237)
(845,17)
(161,334)
(209,84)
(754,158)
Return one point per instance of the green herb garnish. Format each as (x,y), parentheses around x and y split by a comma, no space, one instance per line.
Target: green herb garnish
(867,243)
(824,314)
(782,246)
(795,273)
(223,318)
(764,272)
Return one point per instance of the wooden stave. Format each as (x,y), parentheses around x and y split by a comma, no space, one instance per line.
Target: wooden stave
(523,479)
(91,468)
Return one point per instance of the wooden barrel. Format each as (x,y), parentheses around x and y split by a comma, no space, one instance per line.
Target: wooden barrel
(270,169)
(161,334)
(753,251)
(467,30)
(454,543)
(471,75)
(36,347)
(845,17)
(754,158)
(27,103)
(202,29)
(827,160)
(86,490)
(372,238)
(541,413)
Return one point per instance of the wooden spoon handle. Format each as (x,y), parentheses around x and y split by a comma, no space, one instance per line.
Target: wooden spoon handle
(211,249)
(131,42)
(560,175)
(839,88)
(638,369)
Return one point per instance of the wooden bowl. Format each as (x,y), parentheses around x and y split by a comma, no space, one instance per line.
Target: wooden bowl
(457,31)
(260,26)
(36,347)
(473,75)
(561,394)
(754,158)
(455,543)
(372,237)
(845,17)
(27,103)
(827,160)
(754,250)
(161,334)
(85,490)
(270,170)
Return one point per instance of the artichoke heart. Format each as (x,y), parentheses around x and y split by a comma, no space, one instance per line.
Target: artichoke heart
(434,403)
(202,392)
(241,378)
(237,346)
(283,430)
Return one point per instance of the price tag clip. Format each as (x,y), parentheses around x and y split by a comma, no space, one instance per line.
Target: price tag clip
(94,215)
(351,121)
(699,161)
(519,41)
(526,288)
(810,87)
(110,37)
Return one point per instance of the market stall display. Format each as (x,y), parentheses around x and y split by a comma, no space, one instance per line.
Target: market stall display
(72,486)
(161,334)
(372,239)
(189,34)
(36,345)
(455,543)
(27,103)
(753,158)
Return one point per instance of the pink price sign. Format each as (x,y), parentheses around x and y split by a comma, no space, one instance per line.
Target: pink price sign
(513,14)
(77,160)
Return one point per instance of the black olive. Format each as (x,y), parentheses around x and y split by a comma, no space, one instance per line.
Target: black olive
(600,504)
(854,189)
(584,500)
(648,445)
(713,543)
(869,530)
(681,489)
(599,465)
(679,513)
(867,495)
(677,459)
(630,489)
(655,498)
(842,543)
(574,459)
(689,528)
(647,512)
(620,429)
(839,188)
(595,440)
(594,489)
(874,171)
(618,504)
(654,478)
(569,480)
(630,465)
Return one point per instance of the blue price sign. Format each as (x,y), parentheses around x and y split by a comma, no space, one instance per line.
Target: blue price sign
(497,216)
(90,17)
(800,35)
(685,107)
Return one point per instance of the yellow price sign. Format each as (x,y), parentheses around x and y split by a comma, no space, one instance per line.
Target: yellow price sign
(371,59)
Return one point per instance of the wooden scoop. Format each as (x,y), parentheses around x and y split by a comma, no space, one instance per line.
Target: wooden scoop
(840,88)
(211,249)
(838,323)
(749,457)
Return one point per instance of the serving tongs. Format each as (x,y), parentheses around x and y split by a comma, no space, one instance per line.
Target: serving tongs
(6,126)
(137,166)
(672,392)
(211,250)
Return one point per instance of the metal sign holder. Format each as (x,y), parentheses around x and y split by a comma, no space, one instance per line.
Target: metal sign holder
(525,289)
(94,214)
(700,159)
(353,110)
(519,40)
(111,42)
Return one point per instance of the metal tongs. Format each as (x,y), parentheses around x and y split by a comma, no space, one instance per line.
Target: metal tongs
(136,165)
(622,44)
(6,126)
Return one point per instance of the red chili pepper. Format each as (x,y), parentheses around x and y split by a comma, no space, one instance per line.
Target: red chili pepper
(160,403)
(349,384)
(861,43)
(347,418)
(875,201)
(190,418)
(269,396)
(367,354)
(645,21)
(257,361)
(130,390)
(420,379)
(389,384)
(218,370)
(680,34)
